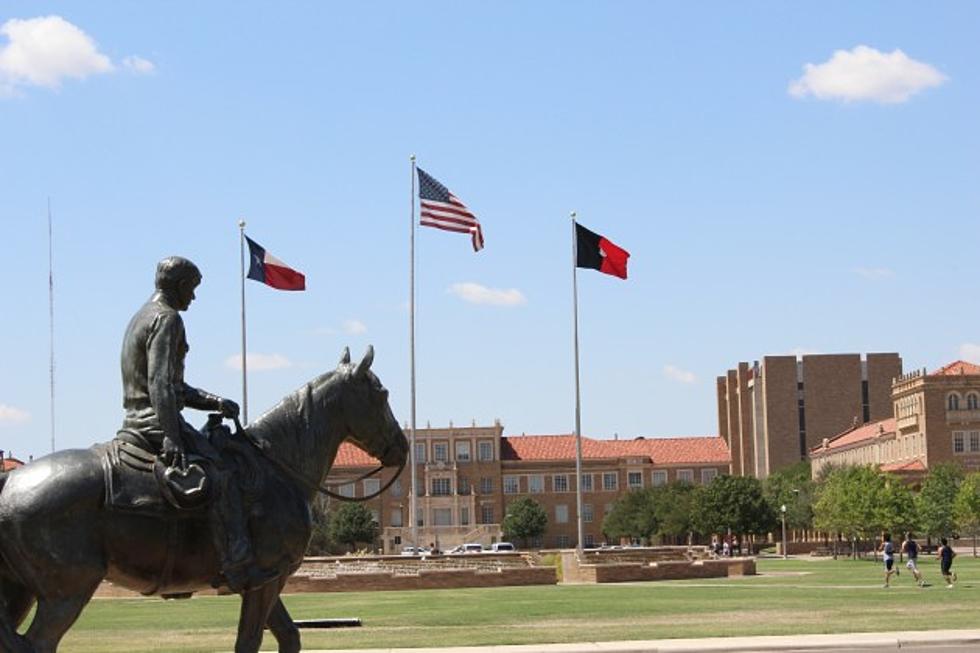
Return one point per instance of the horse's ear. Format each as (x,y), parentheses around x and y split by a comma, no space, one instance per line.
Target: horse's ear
(345,357)
(365,363)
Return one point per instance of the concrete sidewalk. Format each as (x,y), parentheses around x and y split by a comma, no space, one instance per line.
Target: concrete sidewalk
(892,641)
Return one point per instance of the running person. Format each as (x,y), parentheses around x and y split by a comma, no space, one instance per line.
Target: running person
(888,554)
(911,548)
(946,555)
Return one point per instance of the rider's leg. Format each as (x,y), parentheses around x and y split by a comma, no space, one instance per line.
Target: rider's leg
(230,525)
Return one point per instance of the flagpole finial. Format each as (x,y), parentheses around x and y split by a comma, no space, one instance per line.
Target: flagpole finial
(573,214)
(412,158)
(241,224)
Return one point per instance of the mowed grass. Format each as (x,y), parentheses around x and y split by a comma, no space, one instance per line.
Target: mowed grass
(787,597)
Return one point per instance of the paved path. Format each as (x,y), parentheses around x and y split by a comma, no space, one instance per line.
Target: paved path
(934,641)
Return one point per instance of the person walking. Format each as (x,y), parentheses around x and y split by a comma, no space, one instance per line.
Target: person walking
(911,548)
(888,555)
(946,555)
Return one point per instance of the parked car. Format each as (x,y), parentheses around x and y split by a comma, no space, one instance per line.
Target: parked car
(502,547)
(415,550)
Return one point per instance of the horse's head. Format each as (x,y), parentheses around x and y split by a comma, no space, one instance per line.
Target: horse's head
(365,412)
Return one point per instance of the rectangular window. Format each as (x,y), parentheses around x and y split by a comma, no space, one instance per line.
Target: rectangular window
(442,516)
(464,485)
(419,486)
(486,513)
(462,450)
(396,517)
(371,486)
(974,441)
(440,452)
(610,481)
(464,516)
(659,477)
(512,484)
(685,475)
(586,482)
(486,487)
(957,442)
(708,475)
(634,480)
(396,488)
(562,542)
(559,483)
(561,514)
(419,517)
(440,487)
(589,541)
(420,452)
(606,509)
(587,515)
(535,483)
(347,489)
(375,516)
(485,452)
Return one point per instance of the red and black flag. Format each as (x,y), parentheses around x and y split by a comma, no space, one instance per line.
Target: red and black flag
(598,253)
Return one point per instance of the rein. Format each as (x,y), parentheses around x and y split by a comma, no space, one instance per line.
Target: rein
(324,488)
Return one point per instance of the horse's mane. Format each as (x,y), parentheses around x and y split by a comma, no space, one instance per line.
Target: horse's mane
(298,429)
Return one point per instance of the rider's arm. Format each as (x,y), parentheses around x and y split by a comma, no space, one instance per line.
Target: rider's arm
(161,356)
(202,400)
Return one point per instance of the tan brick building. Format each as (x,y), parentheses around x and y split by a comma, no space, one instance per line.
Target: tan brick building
(936,418)
(773,412)
(467,476)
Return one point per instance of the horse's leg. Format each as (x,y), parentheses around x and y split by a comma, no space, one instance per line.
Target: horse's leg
(256,606)
(15,601)
(55,616)
(283,628)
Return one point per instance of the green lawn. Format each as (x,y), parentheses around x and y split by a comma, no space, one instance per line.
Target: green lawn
(795,596)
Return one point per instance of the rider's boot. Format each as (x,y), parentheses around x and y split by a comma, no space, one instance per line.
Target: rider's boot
(239,567)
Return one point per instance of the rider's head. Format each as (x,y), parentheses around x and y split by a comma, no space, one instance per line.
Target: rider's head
(177,278)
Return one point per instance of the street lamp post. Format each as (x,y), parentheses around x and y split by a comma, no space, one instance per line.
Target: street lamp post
(782,514)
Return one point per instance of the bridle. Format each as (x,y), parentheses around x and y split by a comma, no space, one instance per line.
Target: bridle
(266,452)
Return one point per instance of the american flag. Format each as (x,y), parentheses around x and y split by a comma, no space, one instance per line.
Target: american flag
(442,210)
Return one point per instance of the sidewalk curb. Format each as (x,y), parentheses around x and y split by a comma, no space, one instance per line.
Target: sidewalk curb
(891,641)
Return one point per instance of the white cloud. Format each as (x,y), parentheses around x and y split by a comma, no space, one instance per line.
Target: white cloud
(866,74)
(138,65)
(677,374)
(970,351)
(875,274)
(259,362)
(474,293)
(354,327)
(12,415)
(46,50)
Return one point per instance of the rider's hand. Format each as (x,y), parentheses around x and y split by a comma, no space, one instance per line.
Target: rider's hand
(228,408)
(173,452)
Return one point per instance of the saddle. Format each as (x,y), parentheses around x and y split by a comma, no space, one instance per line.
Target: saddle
(136,480)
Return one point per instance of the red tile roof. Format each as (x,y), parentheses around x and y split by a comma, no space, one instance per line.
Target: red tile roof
(666,451)
(864,432)
(350,455)
(11,463)
(913,466)
(956,368)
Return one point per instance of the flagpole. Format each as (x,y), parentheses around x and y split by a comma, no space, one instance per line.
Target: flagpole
(578,404)
(51,318)
(411,339)
(241,257)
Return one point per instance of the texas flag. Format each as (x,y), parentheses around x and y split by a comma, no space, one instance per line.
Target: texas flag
(266,268)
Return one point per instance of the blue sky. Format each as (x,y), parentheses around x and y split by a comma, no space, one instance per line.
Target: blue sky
(789,177)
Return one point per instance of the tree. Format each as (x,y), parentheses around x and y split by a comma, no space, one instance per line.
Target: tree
(848,503)
(934,503)
(673,507)
(966,507)
(320,542)
(792,487)
(525,520)
(896,506)
(632,516)
(353,523)
(732,502)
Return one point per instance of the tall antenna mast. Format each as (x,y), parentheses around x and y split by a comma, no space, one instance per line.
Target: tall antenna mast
(51,317)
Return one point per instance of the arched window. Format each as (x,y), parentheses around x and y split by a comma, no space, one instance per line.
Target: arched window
(972,401)
(953,401)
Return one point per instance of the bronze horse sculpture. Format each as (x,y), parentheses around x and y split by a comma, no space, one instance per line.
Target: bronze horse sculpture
(58,541)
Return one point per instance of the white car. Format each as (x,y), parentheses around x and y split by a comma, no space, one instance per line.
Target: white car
(502,547)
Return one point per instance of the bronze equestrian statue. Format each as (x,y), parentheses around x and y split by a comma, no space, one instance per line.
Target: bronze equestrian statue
(77,517)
